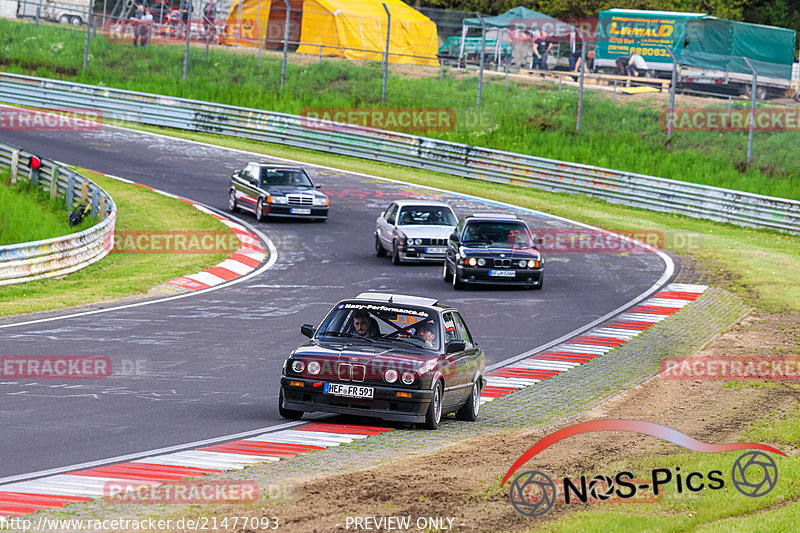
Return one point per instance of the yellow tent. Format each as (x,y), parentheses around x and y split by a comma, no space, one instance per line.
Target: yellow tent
(354,29)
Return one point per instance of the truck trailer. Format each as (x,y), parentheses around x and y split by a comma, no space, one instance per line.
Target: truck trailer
(63,11)
(710,51)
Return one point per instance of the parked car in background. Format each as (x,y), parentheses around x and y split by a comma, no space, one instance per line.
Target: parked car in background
(276,191)
(414,231)
(495,249)
(390,356)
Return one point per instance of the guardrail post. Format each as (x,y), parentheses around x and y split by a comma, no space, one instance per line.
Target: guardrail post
(34,177)
(84,192)
(386,52)
(38,13)
(259,43)
(102,208)
(95,201)
(614,96)
(14,165)
(88,34)
(506,82)
(54,183)
(188,29)
(70,191)
(580,86)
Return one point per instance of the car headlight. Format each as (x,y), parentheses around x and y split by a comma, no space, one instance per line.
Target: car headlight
(472,261)
(408,378)
(321,201)
(390,375)
(417,241)
(298,366)
(533,264)
(276,200)
(481,262)
(314,367)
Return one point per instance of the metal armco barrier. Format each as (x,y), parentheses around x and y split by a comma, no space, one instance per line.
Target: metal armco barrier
(58,256)
(628,188)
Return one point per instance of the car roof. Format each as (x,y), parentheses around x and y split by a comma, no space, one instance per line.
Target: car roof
(493,216)
(264,164)
(411,201)
(403,299)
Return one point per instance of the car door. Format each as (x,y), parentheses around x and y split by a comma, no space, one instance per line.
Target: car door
(472,361)
(453,243)
(388,223)
(246,187)
(453,366)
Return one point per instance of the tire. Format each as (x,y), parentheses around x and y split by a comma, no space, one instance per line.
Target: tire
(380,251)
(761,92)
(469,411)
(76,21)
(433,416)
(233,207)
(260,210)
(457,283)
(396,254)
(63,19)
(446,273)
(291,414)
(540,285)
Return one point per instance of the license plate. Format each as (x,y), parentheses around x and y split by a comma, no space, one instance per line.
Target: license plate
(300,211)
(435,250)
(351,391)
(503,273)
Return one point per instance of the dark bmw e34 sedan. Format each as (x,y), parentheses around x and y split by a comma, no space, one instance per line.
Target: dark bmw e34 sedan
(389,356)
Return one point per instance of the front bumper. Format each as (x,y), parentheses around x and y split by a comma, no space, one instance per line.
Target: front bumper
(385,404)
(417,253)
(522,276)
(283,210)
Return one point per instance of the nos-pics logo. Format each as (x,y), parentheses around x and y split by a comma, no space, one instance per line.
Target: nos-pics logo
(533,493)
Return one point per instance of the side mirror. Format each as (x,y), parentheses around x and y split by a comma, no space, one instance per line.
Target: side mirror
(454,236)
(318,186)
(236,174)
(456,345)
(537,241)
(308,330)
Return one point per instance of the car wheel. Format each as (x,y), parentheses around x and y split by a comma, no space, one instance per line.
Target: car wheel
(63,19)
(76,21)
(260,210)
(433,416)
(395,254)
(469,411)
(291,414)
(446,273)
(233,207)
(457,283)
(380,251)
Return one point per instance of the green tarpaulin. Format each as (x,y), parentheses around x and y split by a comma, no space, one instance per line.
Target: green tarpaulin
(530,18)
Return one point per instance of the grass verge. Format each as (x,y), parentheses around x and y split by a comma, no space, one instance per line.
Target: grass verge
(760,265)
(120,274)
(20,203)
(533,119)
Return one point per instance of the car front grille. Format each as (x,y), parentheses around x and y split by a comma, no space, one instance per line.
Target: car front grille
(502,263)
(348,372)
(435,242)
(299,199)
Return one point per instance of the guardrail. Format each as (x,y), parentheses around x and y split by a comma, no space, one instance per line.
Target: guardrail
(58,256)
(628,188)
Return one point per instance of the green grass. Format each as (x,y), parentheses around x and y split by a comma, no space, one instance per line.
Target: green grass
(21,203)
(120,274)
(529,119)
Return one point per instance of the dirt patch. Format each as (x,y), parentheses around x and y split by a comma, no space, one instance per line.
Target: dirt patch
(462,481)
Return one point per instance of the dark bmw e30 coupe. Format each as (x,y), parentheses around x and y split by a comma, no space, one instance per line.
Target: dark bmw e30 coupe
(389,356)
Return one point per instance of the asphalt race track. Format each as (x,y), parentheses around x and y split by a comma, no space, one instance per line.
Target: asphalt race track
(213,360)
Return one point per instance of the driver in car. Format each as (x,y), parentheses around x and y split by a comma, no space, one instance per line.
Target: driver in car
(365,325)
(426,333)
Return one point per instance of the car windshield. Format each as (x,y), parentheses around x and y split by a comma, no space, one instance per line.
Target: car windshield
(498,234)
(271,177)
(383,322)
(426,216)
